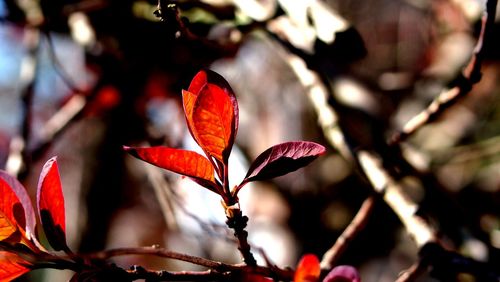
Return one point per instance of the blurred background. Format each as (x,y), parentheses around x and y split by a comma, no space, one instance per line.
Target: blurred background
(81,78)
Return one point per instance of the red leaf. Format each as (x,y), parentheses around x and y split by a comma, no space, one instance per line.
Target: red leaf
(211,113)
(282,159)
(7,227)
(11,266)
(308,269)
(343,273)
(15,204)
(184,162)
(50,201)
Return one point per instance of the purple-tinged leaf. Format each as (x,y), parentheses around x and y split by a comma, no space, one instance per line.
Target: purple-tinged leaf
(50,200)
(343,273)
(282,159)
(16,205)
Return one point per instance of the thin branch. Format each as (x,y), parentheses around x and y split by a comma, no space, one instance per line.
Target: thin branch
(149,275)
(159,252)
(331,256)
(471,75)
(221,267)
(60,70)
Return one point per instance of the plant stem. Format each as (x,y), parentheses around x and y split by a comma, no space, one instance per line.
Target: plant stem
(237,221)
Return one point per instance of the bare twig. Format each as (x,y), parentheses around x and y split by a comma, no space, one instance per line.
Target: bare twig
(159,252)
(471,75)
(272,272)
(331,256)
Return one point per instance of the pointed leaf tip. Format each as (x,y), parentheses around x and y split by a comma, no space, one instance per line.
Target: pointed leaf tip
(282,159)
(50,200)
(308,269)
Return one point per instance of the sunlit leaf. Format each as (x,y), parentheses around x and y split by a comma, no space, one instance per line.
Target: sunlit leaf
(11,266)
(211,113)
(282,159)
(7,228)
(50,201)
(184,162)
(213,119)
(308,269)
(15,204)
(343,273)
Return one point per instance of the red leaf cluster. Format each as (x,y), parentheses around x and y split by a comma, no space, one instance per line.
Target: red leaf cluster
(211,112)
(18,220)
(309,270)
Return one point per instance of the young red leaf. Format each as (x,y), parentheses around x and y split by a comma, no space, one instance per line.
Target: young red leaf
(184,162)
(282,159)
(213,119)
(308,269)
(343,273)
(15,204)
(211,113)
(50,202)
(12,266)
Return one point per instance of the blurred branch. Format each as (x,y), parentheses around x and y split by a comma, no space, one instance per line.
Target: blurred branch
(482,150)
(413,272)
(63,74)
(470,75)
(371,168)
(163,194)
(357,224)
(18,159)
(368,164)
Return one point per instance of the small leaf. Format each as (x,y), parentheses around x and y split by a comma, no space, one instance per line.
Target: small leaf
(15,204)
(7,228)
(343,273)
(12,266)
(184,162)
(308,269)
(282,159)
(211,113)
(50,202)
